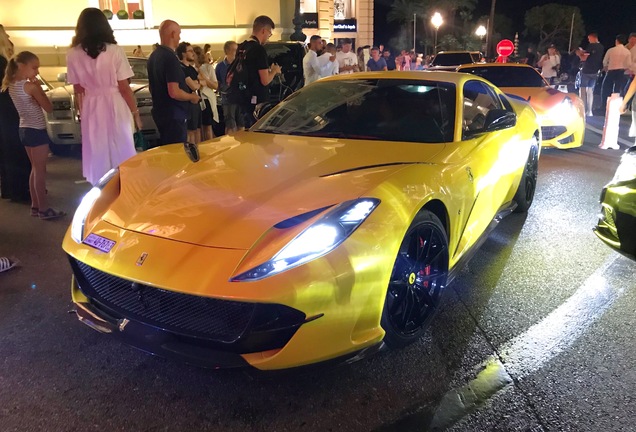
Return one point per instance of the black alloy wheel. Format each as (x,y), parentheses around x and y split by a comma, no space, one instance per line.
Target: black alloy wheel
(528,183)
(419,275)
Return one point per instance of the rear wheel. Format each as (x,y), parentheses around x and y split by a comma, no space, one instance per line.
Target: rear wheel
(419,275)
(528,183)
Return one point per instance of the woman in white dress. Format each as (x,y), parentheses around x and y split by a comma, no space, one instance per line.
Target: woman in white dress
(99,71)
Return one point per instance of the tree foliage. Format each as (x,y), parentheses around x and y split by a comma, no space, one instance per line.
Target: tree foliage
(457,26)
(552,23)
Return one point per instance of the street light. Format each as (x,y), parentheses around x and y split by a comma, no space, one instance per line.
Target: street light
(437,21)
(481,32)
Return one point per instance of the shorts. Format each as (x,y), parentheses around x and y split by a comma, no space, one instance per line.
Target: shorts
(31,137)
(588,80)
(194,121)
(233,117)
(206,114)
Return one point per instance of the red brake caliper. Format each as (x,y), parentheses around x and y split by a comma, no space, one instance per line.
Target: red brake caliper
(426,270)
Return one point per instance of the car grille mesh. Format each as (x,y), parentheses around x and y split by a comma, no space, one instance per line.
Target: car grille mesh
(608,215)
(221,320)
(551,132)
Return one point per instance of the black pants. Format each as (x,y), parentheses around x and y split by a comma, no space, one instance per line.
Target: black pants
(248,115)
(171,131)
(15,167)
(614,82)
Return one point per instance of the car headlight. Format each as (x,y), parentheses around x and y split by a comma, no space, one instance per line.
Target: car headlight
(316,240)
(79,218)
(564,112)
(626,171)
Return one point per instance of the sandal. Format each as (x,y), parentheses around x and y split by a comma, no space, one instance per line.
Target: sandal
(51,214)
(7,263)
(35,212)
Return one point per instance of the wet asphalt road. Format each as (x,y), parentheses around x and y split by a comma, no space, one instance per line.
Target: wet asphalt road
(536,333)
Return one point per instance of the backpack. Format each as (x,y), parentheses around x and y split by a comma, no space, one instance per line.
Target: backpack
(237,77)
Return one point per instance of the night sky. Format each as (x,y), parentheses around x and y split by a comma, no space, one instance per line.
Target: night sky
(607,17)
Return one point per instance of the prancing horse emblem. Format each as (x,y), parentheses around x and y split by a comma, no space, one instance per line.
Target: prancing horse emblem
(142,258)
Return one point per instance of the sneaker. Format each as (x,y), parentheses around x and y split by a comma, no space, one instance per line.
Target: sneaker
(35,212)
(7,263)
(51,214)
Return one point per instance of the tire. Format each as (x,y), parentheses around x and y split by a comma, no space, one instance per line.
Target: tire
(419,276)
(528,183)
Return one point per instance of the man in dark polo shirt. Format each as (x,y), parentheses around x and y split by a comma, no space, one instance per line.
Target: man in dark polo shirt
(260,74)
(170,94)
(593,63)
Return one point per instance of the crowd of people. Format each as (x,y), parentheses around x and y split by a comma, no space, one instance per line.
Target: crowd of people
(185,83)
(617,66)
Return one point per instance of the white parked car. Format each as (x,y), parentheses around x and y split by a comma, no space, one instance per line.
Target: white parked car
(63,124)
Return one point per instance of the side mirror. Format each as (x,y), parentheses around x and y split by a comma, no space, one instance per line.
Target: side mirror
(192,151)
(498,119)
(61,77)
(262,108)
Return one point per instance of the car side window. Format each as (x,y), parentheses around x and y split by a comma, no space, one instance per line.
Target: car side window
(478,101)
(506,103)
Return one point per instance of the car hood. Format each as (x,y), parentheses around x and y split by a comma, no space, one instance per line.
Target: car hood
(244,185)
(540,98)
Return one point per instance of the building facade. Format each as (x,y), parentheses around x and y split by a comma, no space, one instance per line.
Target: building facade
(48,27)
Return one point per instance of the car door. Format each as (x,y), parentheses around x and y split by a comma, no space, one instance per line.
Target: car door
(486,161)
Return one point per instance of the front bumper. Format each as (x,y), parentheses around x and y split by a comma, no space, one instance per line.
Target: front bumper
(616,226)
(197,330)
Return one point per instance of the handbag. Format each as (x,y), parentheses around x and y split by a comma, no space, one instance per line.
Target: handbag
(140,141)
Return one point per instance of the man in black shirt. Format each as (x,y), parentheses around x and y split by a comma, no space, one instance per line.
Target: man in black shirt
(185,53)
(170,94)
(260,74)
(593,62)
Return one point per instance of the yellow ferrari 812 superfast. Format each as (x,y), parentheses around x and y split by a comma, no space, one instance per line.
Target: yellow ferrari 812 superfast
(327,231)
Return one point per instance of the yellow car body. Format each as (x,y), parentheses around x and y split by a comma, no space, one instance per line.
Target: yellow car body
(167,240)
(561,115)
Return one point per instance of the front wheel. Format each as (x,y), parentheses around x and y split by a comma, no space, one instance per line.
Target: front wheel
(419,275)
(528,182)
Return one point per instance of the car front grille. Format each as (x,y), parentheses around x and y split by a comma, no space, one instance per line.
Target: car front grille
(608,217)
(203,317)
(551,132)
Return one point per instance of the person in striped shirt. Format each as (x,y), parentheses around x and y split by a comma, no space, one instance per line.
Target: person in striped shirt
(29,100)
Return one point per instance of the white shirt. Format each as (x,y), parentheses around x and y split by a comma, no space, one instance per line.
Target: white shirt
(617,57)
(548,63)
(346,59)
(328,67)
(311,67)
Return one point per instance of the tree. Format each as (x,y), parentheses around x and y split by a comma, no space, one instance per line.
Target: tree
(552,23)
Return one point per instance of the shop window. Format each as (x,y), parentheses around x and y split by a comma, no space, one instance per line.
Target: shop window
(344,9)
(308,6)
(123,9)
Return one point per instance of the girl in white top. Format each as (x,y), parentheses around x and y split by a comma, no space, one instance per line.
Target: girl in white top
(99,71)
(29,100)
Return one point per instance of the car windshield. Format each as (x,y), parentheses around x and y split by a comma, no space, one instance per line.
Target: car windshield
(451,59)
(508,76)
(372,109)
(139,69)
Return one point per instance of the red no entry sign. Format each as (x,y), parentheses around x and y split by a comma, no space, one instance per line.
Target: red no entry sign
(505,48)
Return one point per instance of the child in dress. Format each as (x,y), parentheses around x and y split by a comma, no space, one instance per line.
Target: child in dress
(29,100)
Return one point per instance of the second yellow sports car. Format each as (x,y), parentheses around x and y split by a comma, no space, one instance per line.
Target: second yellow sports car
(327,231)
(561,115)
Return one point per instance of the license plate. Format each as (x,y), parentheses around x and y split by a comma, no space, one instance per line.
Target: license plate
(99,242)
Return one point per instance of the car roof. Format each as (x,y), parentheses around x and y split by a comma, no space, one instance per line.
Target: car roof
(472,65)
(442,76)
(459,52)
